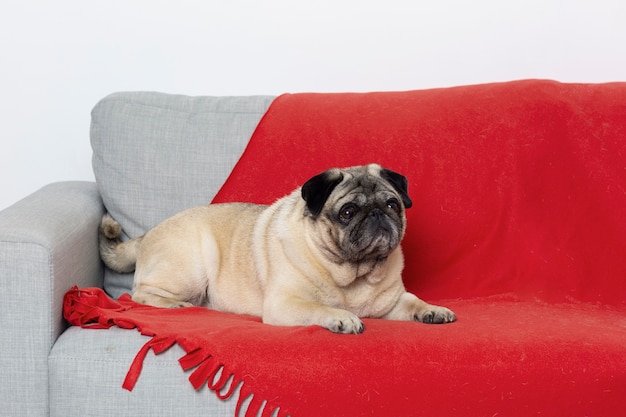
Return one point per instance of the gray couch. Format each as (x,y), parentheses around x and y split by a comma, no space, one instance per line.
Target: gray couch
(519,211)
(153,155)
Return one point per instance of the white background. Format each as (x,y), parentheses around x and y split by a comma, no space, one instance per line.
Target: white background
(58,58)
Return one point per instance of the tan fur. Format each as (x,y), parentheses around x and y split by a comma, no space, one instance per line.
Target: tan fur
(267,261)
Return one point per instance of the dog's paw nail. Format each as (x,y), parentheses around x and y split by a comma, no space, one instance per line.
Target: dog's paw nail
(361,328)
(439,315)
(428,318)
(347,325)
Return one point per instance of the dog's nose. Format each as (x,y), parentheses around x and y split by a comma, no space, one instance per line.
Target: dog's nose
(376,214)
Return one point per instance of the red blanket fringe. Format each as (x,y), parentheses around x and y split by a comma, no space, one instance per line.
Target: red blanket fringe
(92,308)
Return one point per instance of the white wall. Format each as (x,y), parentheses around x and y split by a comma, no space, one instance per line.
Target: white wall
(59,57)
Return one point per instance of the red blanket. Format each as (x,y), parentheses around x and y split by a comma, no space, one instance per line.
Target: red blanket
(517,225)
(504,356)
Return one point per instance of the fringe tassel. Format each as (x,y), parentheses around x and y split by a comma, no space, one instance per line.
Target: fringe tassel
(223,383)
(207,370)
(224,386)
(158,345)
(256,405)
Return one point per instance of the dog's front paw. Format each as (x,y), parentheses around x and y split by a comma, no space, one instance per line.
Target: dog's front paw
(435,315)
(346,323)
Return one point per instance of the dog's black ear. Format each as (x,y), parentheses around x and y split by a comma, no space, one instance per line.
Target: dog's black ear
(317,190)
(400,183)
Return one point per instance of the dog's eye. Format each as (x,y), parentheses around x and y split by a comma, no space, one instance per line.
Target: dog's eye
(393,204)
(347,212)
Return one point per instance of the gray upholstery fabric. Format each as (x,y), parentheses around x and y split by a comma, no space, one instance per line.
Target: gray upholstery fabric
(156,154)
(48,243)
(90,366)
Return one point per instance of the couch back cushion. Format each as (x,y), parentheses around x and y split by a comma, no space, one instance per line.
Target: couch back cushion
(156,154)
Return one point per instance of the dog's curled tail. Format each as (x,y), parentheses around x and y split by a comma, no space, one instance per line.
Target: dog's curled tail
(117,255)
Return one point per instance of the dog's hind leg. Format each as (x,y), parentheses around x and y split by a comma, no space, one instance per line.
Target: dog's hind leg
(158,297)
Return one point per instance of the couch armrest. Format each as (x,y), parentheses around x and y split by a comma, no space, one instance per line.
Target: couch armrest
(48,242)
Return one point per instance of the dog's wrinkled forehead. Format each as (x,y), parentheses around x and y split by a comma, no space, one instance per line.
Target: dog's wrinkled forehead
(363,184)
(371,169)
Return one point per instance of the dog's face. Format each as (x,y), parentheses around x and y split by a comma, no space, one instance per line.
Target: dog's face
(358,212)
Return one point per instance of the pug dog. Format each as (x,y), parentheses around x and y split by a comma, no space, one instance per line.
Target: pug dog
(327,254)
